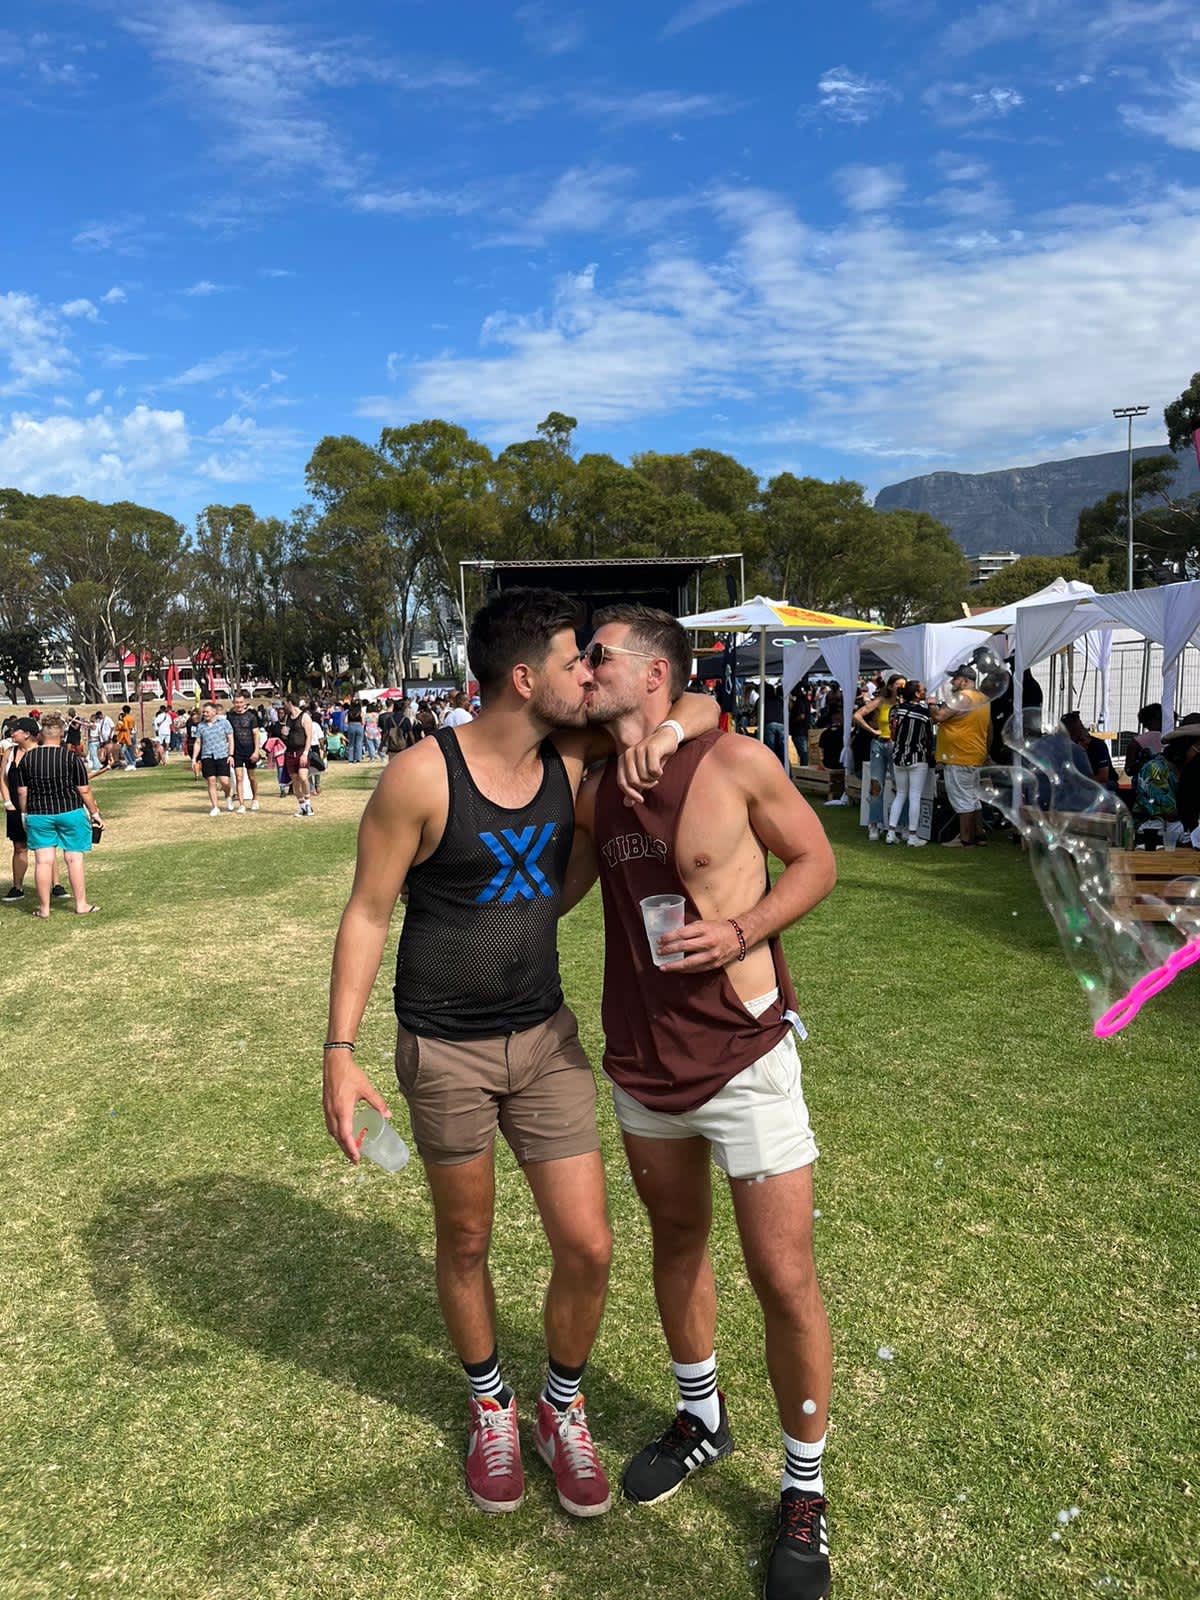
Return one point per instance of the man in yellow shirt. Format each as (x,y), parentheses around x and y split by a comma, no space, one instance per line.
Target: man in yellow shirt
(964,726)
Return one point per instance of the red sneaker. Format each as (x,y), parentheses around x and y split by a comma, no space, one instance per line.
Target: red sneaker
(564,1442)
(494,1476)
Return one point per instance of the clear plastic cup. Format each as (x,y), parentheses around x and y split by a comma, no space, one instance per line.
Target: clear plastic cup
(662,913)
(378,1140)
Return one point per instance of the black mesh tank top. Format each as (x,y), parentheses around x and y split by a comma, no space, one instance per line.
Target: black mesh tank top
(478,951)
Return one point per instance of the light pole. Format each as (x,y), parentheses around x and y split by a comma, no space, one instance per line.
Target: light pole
(1130,412)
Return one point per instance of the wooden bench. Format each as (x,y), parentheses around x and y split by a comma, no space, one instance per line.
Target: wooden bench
(1140,873)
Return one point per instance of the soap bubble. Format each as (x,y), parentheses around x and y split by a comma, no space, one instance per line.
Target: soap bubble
(886,1353)
(1070,824)
(1063,1516)
(992,676)
(1182,900)
(1056,1536)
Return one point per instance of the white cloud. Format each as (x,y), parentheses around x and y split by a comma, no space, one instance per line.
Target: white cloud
(1173,116)
(94,397)
(32,345)
(276,272)
(246,451)
(211,369)
(550,30)
(654,105)
(113,296)
(80,308)
(850,96)
(966,104)
(698,11)
(582,200)
(888,341)
(205,287)
(102,456)
(418,202)
(121,235)
(869,188)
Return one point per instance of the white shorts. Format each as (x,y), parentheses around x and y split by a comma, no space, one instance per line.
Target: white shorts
(962,788)
(757,1124)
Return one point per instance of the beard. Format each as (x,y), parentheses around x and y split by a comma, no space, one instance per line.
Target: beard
(556,712)
(606,705)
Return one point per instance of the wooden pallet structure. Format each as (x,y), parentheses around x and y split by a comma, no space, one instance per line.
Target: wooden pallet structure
(1141,881)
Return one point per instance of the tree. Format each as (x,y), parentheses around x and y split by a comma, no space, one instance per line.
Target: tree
(817,539)
(1165,530)
(22,632)
(909,569)
(1182,416)
(1025,577)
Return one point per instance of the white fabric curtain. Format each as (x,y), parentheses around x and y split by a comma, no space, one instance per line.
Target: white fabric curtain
(798,659)
(1096,648)
(1170,615)
(927,650)
(842,653)
(1040,631)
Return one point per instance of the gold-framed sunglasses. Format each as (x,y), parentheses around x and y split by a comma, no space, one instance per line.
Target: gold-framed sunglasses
(597,654)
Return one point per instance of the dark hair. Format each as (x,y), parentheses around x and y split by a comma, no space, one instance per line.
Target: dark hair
(1150,716)
(655,631)
(517,626)
(908,691)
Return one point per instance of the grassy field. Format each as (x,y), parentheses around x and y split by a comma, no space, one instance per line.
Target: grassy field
(224,1373)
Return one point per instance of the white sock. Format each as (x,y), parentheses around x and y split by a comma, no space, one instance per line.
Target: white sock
(697,1382)
(802,1464)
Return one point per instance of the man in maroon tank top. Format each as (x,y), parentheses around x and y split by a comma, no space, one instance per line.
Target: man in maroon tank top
(703,1063)
(479,820)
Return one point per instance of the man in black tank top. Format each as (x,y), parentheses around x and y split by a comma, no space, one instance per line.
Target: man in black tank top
(479,822)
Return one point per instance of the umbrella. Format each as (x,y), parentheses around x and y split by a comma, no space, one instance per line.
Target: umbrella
(763,616)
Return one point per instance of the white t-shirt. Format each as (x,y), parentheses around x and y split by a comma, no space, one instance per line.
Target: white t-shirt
(162,727)
(455,717)
(106,729)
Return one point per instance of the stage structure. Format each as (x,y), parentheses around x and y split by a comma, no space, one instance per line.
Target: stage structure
(672,583)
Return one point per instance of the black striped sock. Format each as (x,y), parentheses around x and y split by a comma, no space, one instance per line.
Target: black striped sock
(562,1385)
(697,1382)
(485,1379)
(802,1464)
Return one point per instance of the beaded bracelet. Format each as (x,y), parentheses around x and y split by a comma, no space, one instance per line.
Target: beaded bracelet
(741,937)
(338,1044)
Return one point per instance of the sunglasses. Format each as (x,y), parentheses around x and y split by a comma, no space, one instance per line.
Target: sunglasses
(597,654)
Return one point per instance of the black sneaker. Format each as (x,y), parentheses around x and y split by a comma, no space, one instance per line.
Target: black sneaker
(15,894)
(798,1566)
(59,892)
(657,1471)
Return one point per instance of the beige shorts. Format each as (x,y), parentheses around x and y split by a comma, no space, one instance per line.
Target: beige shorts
(962,788)
(536,1087)
(757,1124)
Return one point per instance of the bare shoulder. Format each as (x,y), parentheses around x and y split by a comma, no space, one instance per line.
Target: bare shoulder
(745,760)
(413,784)
(579,748)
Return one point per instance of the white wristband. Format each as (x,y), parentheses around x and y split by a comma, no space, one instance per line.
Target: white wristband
(675,727)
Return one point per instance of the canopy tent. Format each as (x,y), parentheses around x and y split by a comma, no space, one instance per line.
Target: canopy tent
(763,616)
(1066,611)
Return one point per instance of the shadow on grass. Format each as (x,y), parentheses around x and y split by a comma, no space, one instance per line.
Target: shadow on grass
(351,1298)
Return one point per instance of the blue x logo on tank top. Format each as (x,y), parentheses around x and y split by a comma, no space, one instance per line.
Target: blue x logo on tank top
(519,873)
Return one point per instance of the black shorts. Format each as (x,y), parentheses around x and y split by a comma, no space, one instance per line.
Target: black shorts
(215,766)
(244,758)
(14,828)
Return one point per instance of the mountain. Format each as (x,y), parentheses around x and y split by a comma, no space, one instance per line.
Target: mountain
(1033,510)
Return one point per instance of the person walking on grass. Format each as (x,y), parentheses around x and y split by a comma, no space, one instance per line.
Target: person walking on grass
(24,735)
(58,810)
(298,741)
(212,755)
(247,746)
(703,1064)
(478,821)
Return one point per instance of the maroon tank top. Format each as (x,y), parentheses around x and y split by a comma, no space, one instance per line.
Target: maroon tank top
(671,1040)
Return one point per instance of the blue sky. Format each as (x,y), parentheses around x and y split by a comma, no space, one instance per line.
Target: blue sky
(862,239)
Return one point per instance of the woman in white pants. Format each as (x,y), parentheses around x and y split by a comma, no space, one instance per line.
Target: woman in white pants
(912,741)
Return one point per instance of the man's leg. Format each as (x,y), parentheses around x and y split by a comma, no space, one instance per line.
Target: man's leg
(672,1178)
(20,864)
(570,1197)
(300,785)
(774,1220)
(213,800)
(463,1201)
(43,877)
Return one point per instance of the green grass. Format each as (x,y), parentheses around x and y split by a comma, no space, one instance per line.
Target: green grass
(224,1372)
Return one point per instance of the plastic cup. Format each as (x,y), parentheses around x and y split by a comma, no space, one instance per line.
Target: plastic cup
(662,913)
(378,1140)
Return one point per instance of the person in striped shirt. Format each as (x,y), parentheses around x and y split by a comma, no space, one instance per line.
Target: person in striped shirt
(58,809)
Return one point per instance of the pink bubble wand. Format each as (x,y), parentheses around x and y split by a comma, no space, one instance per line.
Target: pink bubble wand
(1123,1013)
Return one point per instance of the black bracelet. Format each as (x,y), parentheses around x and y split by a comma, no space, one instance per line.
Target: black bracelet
(741,937)
(338,1044)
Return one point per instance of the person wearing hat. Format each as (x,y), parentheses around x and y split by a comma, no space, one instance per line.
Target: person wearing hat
(964,725)
(1181,746)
